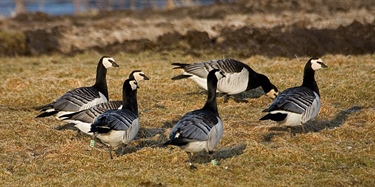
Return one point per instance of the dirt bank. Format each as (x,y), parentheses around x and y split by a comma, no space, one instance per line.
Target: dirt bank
(270,28)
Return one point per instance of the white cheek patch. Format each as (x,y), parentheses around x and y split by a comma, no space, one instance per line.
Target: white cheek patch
(138,76)
(133,84)
(272,94)
(219,75)
(315,65)
(106,62)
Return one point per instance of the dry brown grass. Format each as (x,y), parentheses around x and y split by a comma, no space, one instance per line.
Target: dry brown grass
(338,151)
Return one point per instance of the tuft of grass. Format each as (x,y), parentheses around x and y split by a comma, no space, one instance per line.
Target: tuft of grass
(13,44)
(338,150)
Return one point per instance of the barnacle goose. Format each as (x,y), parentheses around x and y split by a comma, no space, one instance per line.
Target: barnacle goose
(83,97)
(83,119)
(119,126)
(297,105)
(201,129)
(239,77)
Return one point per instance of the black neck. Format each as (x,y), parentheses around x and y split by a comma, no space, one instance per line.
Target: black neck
(211,99)
(309,79)
(129,100)
(264,82)
(101,80)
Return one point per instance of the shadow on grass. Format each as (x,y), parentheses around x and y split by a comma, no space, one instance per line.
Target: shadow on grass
(316,126)
(239,98)
(153,137)
(204,157)
(242,97)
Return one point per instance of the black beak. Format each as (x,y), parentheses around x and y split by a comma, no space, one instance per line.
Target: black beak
(323,65)
(145,77)
(114,64)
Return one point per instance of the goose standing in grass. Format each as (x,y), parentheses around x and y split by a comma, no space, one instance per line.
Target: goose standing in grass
(239,77)
(119,126)
(83,97)
(201,129)
(83,119)
(297,105)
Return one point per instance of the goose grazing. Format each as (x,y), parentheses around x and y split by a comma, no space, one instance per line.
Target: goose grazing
(119,126)
(83,119)
(201,129)
(297,105)
(239,77)
(83,97)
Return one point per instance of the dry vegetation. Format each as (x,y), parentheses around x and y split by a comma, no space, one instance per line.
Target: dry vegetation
(338,151)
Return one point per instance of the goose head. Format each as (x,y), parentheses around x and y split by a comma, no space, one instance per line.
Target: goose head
(108,62)
(133,84)
(138,75)
(273,92)
(317,63)
(219,74)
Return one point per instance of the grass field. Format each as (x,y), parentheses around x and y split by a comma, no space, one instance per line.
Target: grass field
(338,150)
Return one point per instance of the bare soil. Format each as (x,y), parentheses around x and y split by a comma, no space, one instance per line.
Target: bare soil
(245,28)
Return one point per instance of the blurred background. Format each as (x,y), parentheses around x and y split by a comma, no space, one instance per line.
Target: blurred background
(242,28)
(68,7)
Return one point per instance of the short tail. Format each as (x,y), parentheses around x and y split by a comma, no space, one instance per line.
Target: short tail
(274,117)
(46,114)
(179,65)
(68,115)
(100,126)
(178,77)
(44,107)
(99,129)
(167,143)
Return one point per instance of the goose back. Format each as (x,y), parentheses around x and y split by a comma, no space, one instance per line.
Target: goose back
(114,127)
(81,98)
(200,129)
(297,105)
(239,76)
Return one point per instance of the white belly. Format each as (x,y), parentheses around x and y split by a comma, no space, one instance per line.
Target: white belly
(194,147)
(113,138)
(291,120)
(84,127)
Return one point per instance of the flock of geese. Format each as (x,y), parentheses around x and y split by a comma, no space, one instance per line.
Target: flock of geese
(116,123)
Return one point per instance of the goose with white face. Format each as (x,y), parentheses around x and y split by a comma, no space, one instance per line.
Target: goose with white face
(296,106)
(138,75)
(133,84)
(317,64)
(239,77)
(109,62)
